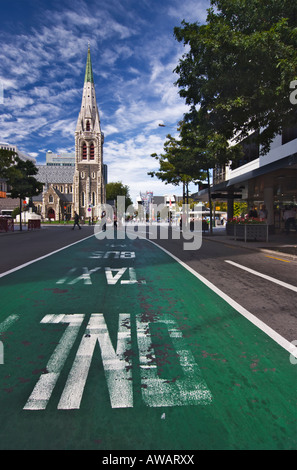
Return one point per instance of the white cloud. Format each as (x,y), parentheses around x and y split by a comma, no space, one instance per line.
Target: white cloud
(109,130)
(130,161)
(133,56)
(191,10)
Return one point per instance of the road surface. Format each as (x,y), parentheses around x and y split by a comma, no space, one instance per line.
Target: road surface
(120,345)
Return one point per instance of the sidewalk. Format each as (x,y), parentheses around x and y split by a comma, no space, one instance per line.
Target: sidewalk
(281,244)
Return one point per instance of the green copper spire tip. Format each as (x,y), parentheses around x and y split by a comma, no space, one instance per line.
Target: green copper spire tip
(89,72)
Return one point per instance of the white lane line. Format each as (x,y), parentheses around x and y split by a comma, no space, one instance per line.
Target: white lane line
(42,257)
(285,344)
(264,276)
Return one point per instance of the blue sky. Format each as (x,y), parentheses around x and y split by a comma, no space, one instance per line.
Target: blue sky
(43,51)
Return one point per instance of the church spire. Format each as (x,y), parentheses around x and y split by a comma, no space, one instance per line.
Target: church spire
(89,72)
(88,118)
(88,182)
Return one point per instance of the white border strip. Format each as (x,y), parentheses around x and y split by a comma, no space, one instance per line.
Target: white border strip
(264,276)
(42,257)
(245,313)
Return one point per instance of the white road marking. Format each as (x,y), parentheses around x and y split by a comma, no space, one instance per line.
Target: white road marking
(188,389)
(112,280)
(8,322)
(3,327)
(117,364)
(264,276)
(43,389)
(85,277)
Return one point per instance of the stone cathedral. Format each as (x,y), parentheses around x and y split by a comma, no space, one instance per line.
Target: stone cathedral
(88,177)
(79,185)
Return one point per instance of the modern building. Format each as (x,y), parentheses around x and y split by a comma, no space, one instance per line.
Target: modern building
(14,148)
(268,180)
(61,159)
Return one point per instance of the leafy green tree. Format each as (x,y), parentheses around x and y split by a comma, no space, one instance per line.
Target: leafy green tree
(6,160)
(174,164)
(207,149)
(21,178)
(195,154)
(239,66)
(113,190)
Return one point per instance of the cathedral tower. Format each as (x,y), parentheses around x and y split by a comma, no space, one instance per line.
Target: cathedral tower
(88,184)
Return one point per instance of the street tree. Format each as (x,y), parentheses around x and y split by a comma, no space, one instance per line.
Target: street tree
(113,190)
(6,160)
(238,67)
(21,179)
(207,149)
(173,165)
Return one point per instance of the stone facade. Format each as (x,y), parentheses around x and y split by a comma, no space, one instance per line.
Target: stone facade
(89,191)
(80,188)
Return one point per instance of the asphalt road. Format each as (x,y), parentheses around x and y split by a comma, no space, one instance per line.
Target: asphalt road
(116,344)
(271,302)
(21,247)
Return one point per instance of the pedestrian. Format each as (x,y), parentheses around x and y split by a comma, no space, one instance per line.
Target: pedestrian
(76,221)
(103,219)
(289,218)
(253,213)
(263,213)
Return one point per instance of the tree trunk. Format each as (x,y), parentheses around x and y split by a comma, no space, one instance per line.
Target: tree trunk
(21,228)
(210,203)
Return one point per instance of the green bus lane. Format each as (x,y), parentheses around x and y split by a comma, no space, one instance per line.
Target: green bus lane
(114,345)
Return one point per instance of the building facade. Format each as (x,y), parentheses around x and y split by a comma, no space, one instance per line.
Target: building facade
(76,182)
(71,182)
(88,183)
(61,159)
(268,180)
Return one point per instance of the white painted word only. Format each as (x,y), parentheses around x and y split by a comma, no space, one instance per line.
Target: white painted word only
(113,275)
(189,388)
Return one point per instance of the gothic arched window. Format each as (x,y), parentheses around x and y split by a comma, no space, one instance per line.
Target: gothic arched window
(88,127)
(83,199)
(94,199)
(84,151)
(92,151)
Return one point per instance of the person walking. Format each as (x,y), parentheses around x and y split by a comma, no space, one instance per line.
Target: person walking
(103,221)
(76,221)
